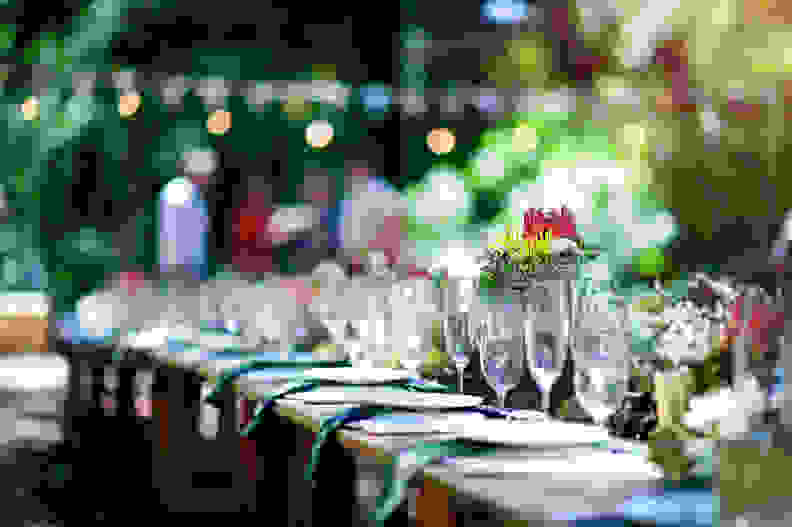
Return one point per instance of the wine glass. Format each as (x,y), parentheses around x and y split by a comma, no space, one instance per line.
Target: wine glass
(546,368)
(458,344)
(502,354)
(330,278)
(414,357)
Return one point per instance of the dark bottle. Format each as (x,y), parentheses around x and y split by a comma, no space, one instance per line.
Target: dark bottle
(527,395)
(637,415)
(564,387)
(475,384)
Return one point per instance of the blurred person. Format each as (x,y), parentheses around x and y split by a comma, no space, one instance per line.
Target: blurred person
(183,229)
(372,218)
(320,241)
(251,239)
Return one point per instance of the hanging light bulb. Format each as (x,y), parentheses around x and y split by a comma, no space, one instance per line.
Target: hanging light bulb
(441,141)
(129,104)
(30,108)
(319,134)
(219,122)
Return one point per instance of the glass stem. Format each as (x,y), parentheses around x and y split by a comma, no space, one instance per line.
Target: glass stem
(546,400)
(502,399)
(461,374)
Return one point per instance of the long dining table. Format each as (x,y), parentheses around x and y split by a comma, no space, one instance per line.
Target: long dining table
(270,463)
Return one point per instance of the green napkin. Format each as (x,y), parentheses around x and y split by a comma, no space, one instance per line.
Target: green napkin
(405,464)
(409,461)
(307,384)
(227,377)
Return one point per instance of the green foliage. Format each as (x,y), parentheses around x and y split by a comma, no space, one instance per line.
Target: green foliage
(650,261)
(666,449)
(7,37)
(707,376)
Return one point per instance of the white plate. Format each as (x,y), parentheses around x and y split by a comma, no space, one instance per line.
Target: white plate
(416,423)
(603,465)
(389,398)
(358,375)
(549,434)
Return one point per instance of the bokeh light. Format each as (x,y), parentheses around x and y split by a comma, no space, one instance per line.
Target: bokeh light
(200,164)
(319,134)
(375,98)
(524,139)
(219,122)
(506,11)
(128,104)
(30,108)
(440,141)
(488,167)
(441,198)
(297,108)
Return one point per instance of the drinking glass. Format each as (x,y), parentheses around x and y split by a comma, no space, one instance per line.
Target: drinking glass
(602,376)
(546,369)
(601,388)
(458,343)
(414,356)
(502,354)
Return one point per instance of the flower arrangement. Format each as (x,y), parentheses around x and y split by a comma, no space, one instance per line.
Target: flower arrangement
(547,243)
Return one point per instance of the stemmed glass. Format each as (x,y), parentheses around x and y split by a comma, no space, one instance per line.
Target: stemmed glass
(546,368)
(458,342)
(502,354)
(414,357)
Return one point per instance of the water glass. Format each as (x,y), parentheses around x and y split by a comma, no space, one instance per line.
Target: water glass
(502,355)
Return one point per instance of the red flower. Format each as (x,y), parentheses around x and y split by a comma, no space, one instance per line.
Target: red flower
(763,322)
(560,223)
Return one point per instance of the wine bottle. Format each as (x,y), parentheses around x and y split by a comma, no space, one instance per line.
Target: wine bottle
(526,395)
(474,379)
(564,387)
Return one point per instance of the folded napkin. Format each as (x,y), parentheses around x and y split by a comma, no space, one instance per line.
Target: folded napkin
(229,376)
(306,384)
(406,463)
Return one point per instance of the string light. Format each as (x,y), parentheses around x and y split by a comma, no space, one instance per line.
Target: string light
(296,107)
(440,141)
(219,122)
(200,164)
(129,104)
(319,134)
(30,108)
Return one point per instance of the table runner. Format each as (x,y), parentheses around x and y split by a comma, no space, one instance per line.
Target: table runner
(408,462)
